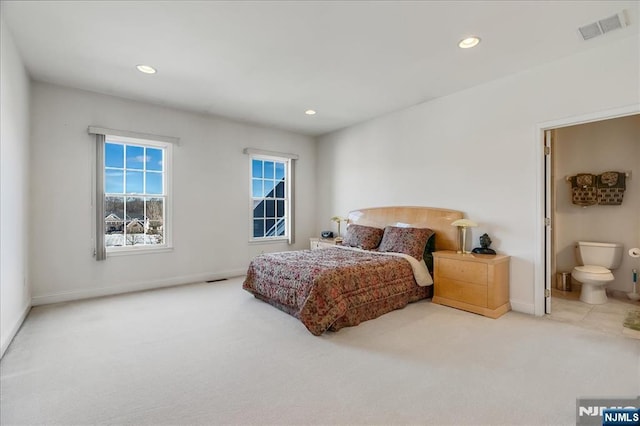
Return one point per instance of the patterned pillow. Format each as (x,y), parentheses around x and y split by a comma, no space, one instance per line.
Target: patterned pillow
(411,241)
(364,237)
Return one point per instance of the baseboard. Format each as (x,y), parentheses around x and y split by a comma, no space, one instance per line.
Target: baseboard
(525,308)
(129,288)
(14,330)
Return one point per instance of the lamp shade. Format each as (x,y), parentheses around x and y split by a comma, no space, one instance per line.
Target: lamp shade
(464,223)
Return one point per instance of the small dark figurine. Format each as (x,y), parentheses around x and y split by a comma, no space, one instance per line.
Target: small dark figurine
(485,242)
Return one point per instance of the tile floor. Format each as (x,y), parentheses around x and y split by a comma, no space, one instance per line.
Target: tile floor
(608,318)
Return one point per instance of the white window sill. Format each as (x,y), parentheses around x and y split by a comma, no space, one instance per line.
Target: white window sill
(270,241)
(135,251)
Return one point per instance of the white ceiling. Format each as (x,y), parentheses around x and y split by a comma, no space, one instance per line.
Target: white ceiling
(268,61)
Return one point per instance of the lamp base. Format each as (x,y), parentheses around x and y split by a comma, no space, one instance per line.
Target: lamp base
(464,240)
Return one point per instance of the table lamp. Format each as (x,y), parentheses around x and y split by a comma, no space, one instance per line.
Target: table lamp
(339,220)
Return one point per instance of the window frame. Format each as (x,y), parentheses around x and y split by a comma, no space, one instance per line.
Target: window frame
(167,194)
(288,161)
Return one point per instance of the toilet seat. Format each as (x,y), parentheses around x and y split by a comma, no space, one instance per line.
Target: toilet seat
(593,274)
(592,269)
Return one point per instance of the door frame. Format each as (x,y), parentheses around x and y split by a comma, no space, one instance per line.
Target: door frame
(542,273)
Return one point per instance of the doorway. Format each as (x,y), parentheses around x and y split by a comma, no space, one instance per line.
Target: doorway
(551,222)
(568,147)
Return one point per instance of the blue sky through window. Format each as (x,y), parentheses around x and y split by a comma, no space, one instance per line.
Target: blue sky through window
(154,159)
(141,166)
(114,155)
(135,157)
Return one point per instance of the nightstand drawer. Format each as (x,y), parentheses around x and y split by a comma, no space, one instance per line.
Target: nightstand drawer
(466,292)
(471,272)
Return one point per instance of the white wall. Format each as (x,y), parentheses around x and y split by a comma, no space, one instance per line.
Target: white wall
(210,204)
(477,151)
(14,189)
(594,148)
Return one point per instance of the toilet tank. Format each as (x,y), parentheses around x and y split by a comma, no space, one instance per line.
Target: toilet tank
(608,255)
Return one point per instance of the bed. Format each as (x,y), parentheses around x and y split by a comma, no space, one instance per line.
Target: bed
(380,267)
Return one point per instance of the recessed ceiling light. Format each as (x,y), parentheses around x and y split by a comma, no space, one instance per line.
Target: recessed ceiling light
(469,42)
(147,69)
(310,112)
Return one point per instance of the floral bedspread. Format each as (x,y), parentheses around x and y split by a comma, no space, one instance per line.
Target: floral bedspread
(332,288)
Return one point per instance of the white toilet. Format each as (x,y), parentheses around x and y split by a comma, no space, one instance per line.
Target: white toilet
(596,260)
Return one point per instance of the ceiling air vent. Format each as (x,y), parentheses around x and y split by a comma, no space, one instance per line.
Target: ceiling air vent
(603,26)
(590,31)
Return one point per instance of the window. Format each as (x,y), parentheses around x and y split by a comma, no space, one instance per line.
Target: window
(270,197)
(135,194)
(132,191)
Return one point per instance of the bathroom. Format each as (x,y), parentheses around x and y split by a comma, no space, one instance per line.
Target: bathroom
(596,147)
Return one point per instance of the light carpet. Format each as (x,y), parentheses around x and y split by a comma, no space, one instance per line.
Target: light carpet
(213,354)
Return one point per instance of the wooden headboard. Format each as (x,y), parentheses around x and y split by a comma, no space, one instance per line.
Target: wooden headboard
(416,217)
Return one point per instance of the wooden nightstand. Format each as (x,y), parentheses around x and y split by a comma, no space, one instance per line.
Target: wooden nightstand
(318,243)
(476,283)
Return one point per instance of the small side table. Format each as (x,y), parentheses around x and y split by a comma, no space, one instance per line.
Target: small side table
(476,283)
(320,243)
